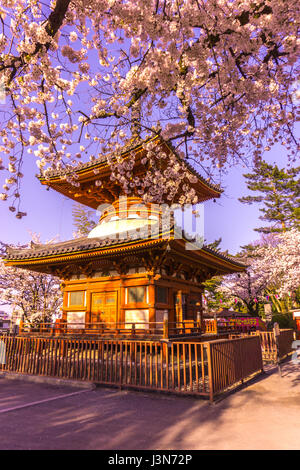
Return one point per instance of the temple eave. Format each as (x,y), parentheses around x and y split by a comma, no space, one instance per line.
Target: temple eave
(92,195)
(156,253)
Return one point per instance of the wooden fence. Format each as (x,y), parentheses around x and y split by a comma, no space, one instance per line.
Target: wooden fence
(270,351)
(232,361)
(125,330)
(206,369)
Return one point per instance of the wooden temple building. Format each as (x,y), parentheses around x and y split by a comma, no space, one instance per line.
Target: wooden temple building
(131,275)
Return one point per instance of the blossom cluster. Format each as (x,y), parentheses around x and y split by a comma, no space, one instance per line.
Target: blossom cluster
(36,295)
(272,264)
(214,78)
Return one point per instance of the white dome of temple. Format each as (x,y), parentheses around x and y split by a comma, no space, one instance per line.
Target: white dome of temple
(117,225)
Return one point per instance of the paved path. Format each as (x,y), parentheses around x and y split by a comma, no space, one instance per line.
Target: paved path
(264,415)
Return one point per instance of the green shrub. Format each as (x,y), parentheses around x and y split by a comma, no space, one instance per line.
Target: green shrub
(284,320)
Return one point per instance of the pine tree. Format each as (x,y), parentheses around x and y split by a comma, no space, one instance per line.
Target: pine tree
(83,220)
(214,298)
(279,193)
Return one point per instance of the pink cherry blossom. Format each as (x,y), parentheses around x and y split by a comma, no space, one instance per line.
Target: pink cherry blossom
(215,79)
(36,295)
(273,264)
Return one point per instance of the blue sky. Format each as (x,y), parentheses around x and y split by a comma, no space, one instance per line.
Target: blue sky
(50,214)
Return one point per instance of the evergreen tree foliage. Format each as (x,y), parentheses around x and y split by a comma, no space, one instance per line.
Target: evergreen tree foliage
(214,298)
(279,194)
(83,220)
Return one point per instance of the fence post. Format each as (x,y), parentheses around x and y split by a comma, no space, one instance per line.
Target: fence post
(210,372)
(276,332)
(2,354)
(215,325)
(166,324)
(121,364)
(21,326)
(199,321)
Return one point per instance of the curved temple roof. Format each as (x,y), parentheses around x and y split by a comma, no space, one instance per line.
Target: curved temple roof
(41,257)
(87,173)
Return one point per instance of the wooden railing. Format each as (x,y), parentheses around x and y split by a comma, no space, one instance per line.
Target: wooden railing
(235,325)
(103,329)
(206,369)
(270,351)
(4,331)
(210,326)
(191,327)
(285,341)
(232,361)
(143,330)
(268,345)
(151,330)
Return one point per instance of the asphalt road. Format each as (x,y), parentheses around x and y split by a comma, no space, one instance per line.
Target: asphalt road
(263,415)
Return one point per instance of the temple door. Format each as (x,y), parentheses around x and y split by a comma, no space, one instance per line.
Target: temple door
(109,314)
(104,309)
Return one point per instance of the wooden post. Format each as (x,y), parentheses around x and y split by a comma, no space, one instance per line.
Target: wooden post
(64,348)
(199,321)
(121,302)
(57,326)
(151,303)
(21,326)
(276,333)
(215,324)
(166,324)
(133,330)
(200,311)
(210,373)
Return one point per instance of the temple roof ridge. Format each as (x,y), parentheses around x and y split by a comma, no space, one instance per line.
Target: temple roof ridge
(84,243)
(163,235)
(129,147)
